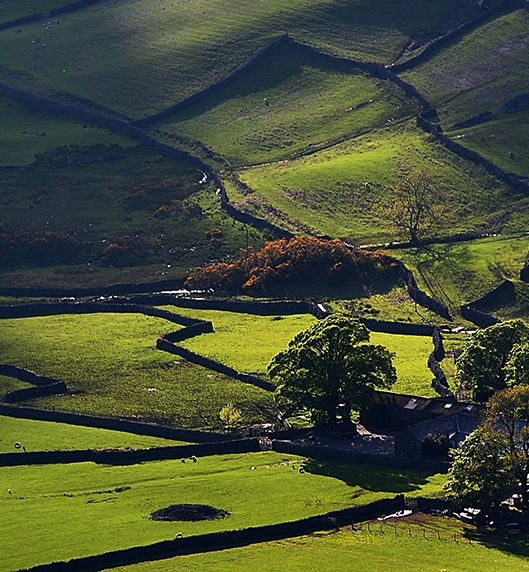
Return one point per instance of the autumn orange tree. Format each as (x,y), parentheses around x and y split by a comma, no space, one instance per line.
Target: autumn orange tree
(284,262)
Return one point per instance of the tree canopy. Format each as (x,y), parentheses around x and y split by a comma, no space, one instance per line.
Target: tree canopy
(298,260)
(416,204)
(495,358)
(331,369)
(493,462)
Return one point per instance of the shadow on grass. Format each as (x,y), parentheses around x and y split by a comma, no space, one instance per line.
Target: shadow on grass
(371,477)
(516,544)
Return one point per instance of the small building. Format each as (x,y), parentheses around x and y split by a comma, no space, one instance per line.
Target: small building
(433,438)
(396,411)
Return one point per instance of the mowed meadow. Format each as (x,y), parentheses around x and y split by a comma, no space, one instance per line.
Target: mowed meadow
(98,508)
(112,367)
(399,549)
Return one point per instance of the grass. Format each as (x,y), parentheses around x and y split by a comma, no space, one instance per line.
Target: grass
(284,106)
(394,306)
(99,202)
(49,436)
(27,132)
(481,72)
(362,551)
(410,361)
(169,51)
(14,10)
(111,367)
(327,191)
(96,508)
(245,341)
(466,271)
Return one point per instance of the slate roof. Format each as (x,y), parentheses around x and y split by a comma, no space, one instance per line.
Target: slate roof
(456,426)
(436,406)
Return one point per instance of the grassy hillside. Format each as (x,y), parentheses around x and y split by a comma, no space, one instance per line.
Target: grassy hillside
(293,101)
(88,211)
(168,50)
(340,191)
(461,273)
(484,72)
(27,132)
(111,366)
(14,10)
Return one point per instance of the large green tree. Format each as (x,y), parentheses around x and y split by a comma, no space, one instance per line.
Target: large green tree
(493,462)
(331,369)
(495,358)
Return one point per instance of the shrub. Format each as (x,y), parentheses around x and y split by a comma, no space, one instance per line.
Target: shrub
(283,262)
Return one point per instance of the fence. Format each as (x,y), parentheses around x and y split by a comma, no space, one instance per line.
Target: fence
(411,531)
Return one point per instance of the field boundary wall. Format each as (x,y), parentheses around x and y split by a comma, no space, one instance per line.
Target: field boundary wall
(436,132)
(66,110)
(449,37)
(113,423)
(44,385)
(72,7)
(217,86)
(229,538)
(20,21)
(130,456)
(115,289)
(322,452)
(165,345)
(476,311)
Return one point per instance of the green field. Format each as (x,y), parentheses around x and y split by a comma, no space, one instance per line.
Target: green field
(410,361)
(270,335)
(246,342)
(460,273)
(481,72)
(284,106)
(96,508)
(362,551)
(27,132)
(49,436)
(111,366)
(341,191)
(168,51)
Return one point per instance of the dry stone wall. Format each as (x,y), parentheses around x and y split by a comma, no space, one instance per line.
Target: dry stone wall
(228,539)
